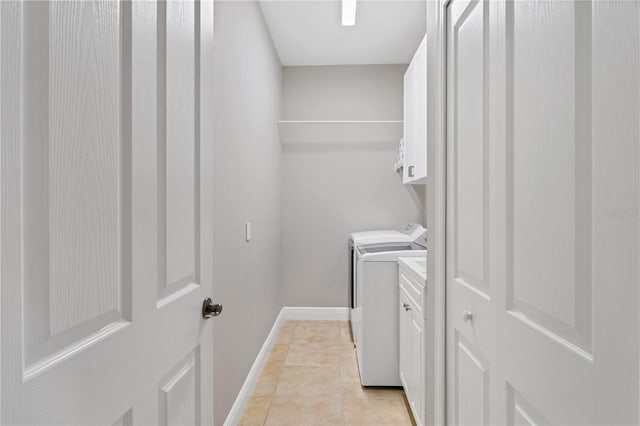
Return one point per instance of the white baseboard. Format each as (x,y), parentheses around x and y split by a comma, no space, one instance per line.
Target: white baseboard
(233,418)
(315,314)
(287,313)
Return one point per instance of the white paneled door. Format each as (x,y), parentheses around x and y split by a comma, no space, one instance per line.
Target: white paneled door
(106,239)
(471,292)
(543,229)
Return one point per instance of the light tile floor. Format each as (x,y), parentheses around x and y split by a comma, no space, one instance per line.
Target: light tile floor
(311,378)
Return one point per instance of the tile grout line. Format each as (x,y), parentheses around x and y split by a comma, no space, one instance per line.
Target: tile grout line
(342,396)
(279,375)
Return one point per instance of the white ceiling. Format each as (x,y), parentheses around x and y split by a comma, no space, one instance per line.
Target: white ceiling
(309,32)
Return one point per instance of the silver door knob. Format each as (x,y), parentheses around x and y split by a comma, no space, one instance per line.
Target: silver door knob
(210,309)
(406,306)
(467,316)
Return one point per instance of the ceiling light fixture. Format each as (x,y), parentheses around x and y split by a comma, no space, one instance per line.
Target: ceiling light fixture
(348,13)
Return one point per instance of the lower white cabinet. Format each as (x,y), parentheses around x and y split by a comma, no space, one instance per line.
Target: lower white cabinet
(404,323)
(412,352)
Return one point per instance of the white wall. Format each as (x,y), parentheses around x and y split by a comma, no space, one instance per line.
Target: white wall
(247,164)
(331,190)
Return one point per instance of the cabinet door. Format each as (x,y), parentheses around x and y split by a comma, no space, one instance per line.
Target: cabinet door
(419,142)
(409,120)
(404,317)
(416,358)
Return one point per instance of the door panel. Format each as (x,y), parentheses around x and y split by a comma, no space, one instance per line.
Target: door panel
(520,413)
(77,246)
(570,266)
(86,139)
(101,176)
(468,132)
(549,168)
(471,383)
(471,344)
(561,245)
(178,142)
(125,419)
(179,393)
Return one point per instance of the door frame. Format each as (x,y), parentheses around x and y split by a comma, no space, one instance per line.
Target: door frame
(437,198)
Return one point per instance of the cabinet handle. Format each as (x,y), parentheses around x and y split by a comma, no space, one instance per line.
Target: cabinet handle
(406,306)
(411,170)
(467,316)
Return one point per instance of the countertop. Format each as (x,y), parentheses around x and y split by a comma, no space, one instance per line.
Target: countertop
(418,265)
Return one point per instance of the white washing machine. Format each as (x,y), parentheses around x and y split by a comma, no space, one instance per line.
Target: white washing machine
(403,234)
(407,234)
(374,299)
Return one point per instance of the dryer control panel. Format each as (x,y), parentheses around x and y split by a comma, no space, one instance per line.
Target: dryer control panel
(416,232)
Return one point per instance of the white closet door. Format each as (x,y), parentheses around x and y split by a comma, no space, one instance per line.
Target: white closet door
(106,214)
(567,227)
(471,291)
(552,211)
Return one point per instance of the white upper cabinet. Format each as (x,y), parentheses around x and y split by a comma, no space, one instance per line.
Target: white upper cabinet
(415,118)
